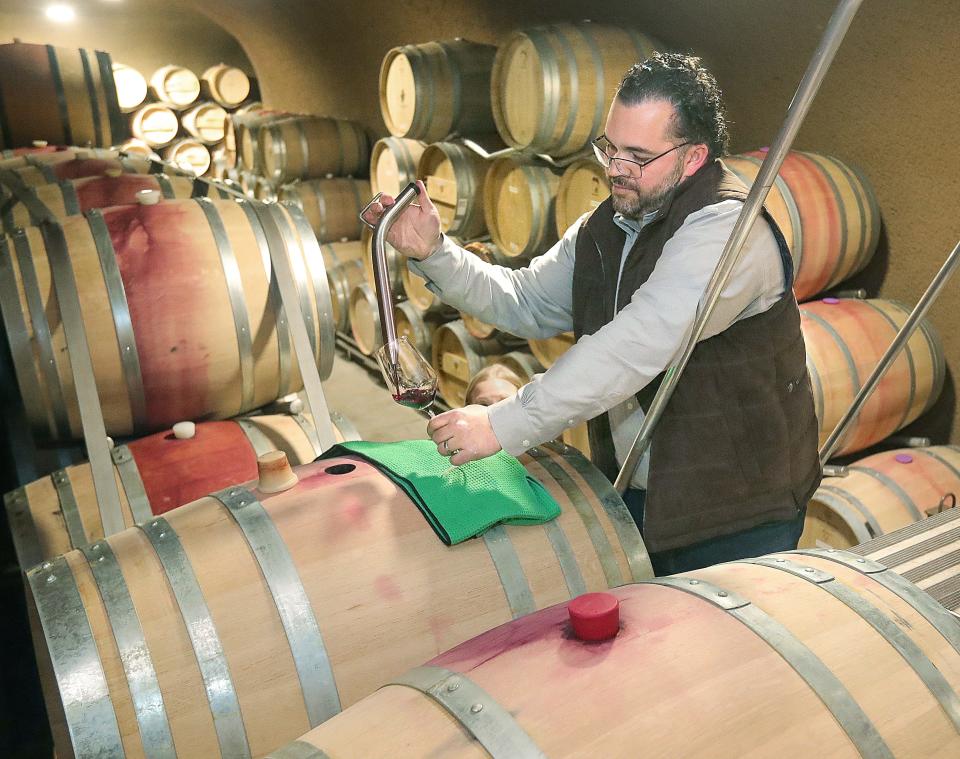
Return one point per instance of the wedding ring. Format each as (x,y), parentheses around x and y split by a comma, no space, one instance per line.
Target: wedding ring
(446,448)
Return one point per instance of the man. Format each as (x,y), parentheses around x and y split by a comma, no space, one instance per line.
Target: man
(733,459)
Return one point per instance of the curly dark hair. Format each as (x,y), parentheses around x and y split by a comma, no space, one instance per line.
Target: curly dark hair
(683,81)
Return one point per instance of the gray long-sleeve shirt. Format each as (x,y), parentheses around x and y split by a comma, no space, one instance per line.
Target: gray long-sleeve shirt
(602,372)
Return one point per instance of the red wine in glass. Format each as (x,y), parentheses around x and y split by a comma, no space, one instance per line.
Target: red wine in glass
(410,378)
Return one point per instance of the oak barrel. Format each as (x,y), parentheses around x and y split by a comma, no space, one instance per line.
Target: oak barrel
(583,186)
(131,87)
(248,127)
(332,206)
(393,164)
(827,211)
(778,656)
(882,493)
(548,350)
(253,617)
(518,204)
(457,356)
(345,270)
(552,86)
(230,141)
(180,301)
(175,85)
(410,323)
(157,124)
(454,178)
(226,85)
(205,122)
(74,163)
(77,196)
(433,90)
(305,147)
(845,339)
(491,254)
(365,319)
(155,474)
(59,95)
(189,154)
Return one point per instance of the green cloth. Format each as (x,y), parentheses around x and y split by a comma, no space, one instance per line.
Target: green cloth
(462,502)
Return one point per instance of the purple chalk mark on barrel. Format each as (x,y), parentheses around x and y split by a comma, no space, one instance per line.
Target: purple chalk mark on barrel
(831,301)
(903,458)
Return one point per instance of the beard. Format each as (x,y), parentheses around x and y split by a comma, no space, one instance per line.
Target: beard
(639,202)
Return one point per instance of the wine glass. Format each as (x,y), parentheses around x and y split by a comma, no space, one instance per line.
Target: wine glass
(410,378)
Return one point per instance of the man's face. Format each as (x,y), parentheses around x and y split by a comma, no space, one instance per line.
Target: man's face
(638,133)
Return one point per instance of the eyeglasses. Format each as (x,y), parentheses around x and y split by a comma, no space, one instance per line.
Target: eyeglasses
(602,148)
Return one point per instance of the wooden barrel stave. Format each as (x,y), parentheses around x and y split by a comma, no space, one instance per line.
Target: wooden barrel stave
(190,155)
(205,122)
(226,85)
(365,319)
(175,85)
(131,87)
(264,674)
(72,163)
(345,270)
(583,186)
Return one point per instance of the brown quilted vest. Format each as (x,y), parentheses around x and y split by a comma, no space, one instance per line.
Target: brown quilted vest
(736,446)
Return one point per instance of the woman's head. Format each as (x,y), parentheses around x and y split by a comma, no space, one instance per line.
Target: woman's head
(491,384)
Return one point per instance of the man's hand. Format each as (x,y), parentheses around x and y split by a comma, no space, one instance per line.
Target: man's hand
(464,434)
(416,231)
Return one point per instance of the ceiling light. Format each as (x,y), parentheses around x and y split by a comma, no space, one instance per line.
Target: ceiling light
(60,13)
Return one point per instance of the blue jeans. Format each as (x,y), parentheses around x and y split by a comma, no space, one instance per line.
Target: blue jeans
(757,541)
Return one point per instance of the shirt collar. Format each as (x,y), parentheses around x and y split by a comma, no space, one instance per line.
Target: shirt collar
(633,226)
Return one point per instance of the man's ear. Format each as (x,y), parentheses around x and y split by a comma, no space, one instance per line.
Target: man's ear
(695,158)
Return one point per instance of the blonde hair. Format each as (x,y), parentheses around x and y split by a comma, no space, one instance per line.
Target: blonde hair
(494,371)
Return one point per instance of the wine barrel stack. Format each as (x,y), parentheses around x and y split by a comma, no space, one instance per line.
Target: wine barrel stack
(182,116)
(204,613)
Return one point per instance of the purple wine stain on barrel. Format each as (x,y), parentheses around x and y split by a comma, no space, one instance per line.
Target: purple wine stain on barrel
(415,397)
(903,458)
(171,289)
(831,301)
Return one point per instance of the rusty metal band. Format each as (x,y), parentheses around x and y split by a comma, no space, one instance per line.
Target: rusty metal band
(631,541)
(896,638)
(81,364)
(122,323)
(238,304)
(132,483)
(145,694)
(20,348)
(23,530)
(274,303)
(309,652)
(941,619)
(832,693)
(492,725)
(81,681)
(601,544)
(211,660)
(510,570)
(69,509)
